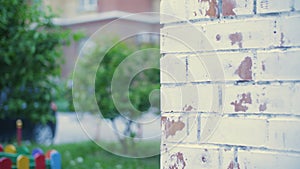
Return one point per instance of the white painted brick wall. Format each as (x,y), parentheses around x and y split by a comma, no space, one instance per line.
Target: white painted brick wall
(230,84)
(289,30)
(198,9)
(172,11)
(237,7)
(179,127)
(189,98)
(196,157)
(219,66)
(284,133)
(278,65)
(261,159)
(271,6)
(223,35)
(173,69)
(236,131)
(269,99)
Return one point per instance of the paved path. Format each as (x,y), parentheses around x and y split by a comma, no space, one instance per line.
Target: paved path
(73,128)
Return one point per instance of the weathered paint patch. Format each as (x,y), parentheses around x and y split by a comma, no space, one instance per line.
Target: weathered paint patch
(233,165)
(171,127)
(240,105)
(218,37)
(263,107)
(236,38)
(228,7)
(177,161)
(212,10)
(188,108)
(245,69)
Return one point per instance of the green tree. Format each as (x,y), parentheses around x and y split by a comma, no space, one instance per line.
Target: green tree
(123,84)
(30,57)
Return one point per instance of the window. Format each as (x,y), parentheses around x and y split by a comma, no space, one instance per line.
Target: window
(88,5)
(147,37)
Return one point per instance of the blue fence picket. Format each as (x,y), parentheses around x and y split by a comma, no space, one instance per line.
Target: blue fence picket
(55,160)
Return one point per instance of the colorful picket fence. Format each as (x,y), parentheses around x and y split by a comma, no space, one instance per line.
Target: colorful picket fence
(20,158)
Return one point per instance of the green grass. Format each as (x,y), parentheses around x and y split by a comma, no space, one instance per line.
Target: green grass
(88,155)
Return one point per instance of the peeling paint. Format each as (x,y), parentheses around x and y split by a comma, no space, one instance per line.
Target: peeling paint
(228,7)
(163,119)
(233,165)
(195,13)
(209,6)
(171,127)
(240,105)
(188,108)
(218,37)
(263,107)
(236,38)
(177,161)
(244,70)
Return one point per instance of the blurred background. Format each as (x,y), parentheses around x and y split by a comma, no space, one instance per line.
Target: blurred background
(40,44)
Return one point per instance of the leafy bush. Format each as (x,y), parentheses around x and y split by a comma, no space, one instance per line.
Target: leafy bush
(110,79)
(30,54)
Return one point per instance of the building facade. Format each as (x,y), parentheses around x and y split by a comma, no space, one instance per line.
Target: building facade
(88,16)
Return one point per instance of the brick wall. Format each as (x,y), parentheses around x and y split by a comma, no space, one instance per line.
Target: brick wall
(230,91)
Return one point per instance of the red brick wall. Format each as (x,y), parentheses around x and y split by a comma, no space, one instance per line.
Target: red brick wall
(230,84)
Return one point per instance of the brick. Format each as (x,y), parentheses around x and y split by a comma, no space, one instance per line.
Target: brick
(237,7)
(225,35)
(173,69)
(236,131)
(174,127)
(284,134)
(179,127)
(172,11)
(278,65)
(190,98)
(182,39)
(202,9)
(272,6)
(260,159)
(288,33)
(270,99)
(198,70)
(220,66)
(197,156)
(193,128)
(227,156)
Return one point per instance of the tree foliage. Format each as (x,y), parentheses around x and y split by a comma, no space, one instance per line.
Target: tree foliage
(121,78)
(30,54)
(141,84)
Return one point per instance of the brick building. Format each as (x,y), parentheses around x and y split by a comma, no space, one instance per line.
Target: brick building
(89,15)
(230,84)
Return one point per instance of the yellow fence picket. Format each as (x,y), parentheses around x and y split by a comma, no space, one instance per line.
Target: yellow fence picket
(10,149)
(22,162)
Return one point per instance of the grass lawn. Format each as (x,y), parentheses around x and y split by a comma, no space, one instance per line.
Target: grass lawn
(88,155)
